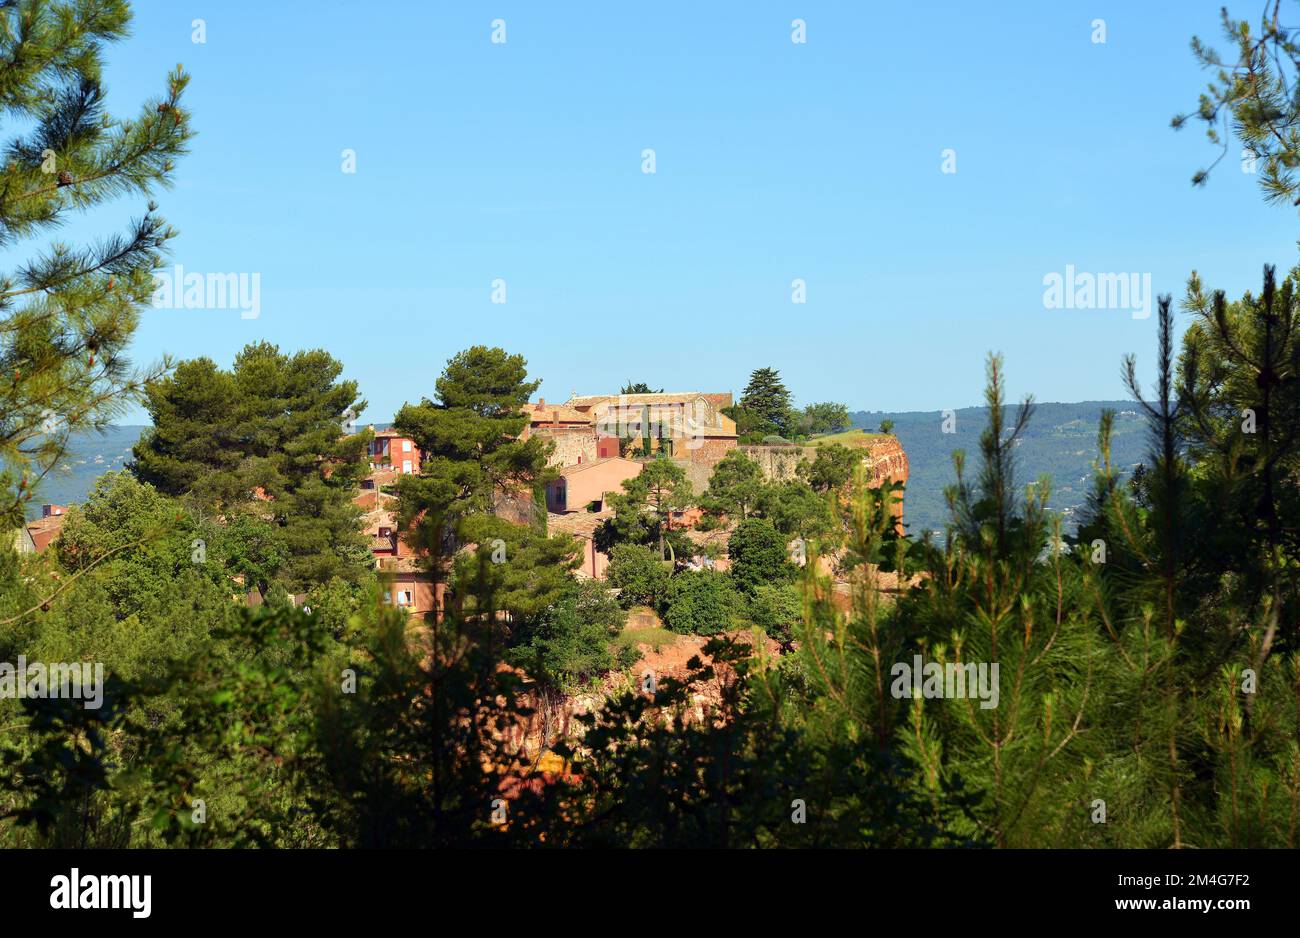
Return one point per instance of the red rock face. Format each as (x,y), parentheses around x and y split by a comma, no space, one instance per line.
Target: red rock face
(888,464)
(553,716)
(888,460)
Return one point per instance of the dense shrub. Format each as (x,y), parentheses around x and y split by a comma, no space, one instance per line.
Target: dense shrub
(638,573)
(758,554)
(700,603)
(777,608)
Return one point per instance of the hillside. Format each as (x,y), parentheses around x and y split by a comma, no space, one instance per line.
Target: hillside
(1060,441)
(90,455)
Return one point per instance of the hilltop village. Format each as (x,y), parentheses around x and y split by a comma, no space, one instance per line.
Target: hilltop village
(599,442)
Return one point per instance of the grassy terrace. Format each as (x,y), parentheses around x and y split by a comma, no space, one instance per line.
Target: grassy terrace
(656,638)
(853,437)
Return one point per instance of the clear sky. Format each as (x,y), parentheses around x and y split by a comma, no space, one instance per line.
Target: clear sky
(774,161)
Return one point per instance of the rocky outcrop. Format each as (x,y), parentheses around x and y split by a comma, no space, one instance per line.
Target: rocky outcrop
(555,715)
(887,459)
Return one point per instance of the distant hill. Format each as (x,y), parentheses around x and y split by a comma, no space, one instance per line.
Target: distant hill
(89,456)
(1060,441)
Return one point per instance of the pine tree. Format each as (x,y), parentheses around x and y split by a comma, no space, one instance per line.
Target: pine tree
(473,450)
(642,511)
(266,438)
(766,397)
(68,314)
(758,555)
(1252,96)
(734,486)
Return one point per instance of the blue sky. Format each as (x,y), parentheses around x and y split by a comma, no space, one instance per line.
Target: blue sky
(775,161)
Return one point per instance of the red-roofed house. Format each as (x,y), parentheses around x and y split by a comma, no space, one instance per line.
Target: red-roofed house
(40,533)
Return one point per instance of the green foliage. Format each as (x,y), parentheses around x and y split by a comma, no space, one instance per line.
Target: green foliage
(1149,664)
(638,573)
(758,554)
(469,439)
(1252,96)
(776,608)
(796,510)
(766,398)
(823,418)
(570,643)
(735,485)
(643,509)
(751,426)
(831,468)
(701,602)
(67,314)
(652,778)
(266,439)
(523,572)
(1121,680)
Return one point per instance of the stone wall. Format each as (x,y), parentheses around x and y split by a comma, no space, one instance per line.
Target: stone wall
(779,462)
(699,462)
(884,456)
(572,444)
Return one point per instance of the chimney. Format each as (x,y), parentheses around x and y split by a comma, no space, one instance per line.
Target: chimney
(541,403)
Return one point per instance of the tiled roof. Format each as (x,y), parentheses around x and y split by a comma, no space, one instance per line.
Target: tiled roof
(403,565)
(545,413)
(573,470)
(43,531)
(577,523)
(377,518)
(385,476)
(667,397)
(370,499)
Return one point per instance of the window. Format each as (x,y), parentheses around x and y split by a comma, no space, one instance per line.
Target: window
(388,599)
(385,532)
(406,467)
(406,446)
(404,598)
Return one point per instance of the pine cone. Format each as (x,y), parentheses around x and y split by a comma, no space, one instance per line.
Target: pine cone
(164,108)
(65,178)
